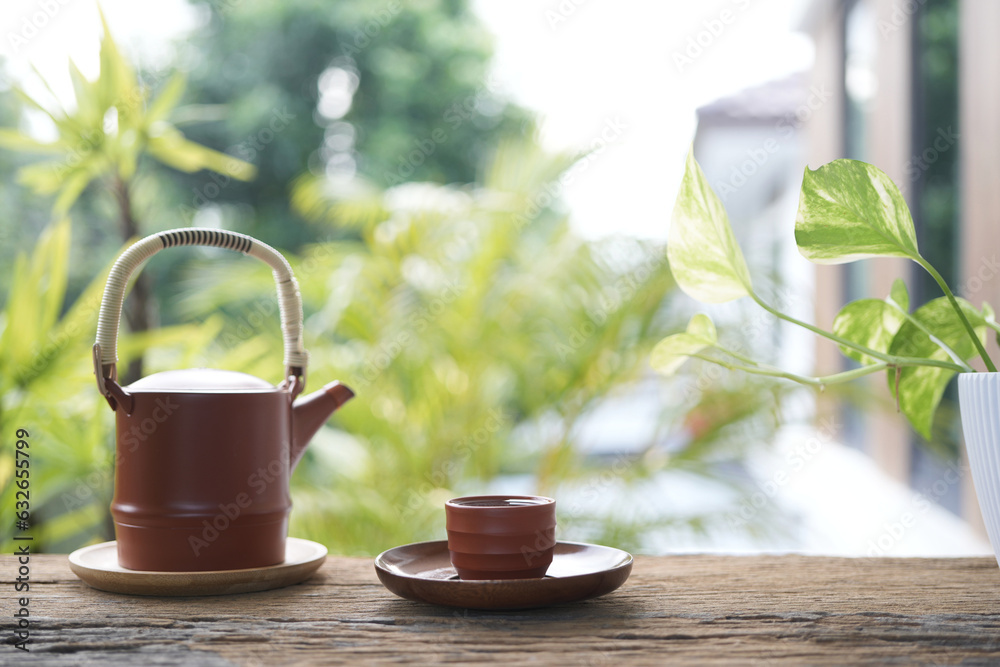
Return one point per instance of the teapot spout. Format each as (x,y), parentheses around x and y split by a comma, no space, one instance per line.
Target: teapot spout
(310,412)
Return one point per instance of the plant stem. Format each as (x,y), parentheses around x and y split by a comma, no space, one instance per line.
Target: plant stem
(955,356)
(889,359)
(737,355)
(771,371)
(958,309)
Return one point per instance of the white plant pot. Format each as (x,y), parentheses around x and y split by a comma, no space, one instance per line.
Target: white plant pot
(979,400)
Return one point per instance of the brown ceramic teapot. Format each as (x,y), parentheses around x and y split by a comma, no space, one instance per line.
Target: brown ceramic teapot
(204,456)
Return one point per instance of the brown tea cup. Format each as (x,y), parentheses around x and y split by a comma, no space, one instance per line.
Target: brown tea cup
(501,537)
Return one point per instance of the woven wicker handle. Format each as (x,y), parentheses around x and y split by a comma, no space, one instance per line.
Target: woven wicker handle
(289,301)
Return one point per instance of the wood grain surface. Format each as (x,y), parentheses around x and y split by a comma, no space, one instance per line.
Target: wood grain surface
(766,610)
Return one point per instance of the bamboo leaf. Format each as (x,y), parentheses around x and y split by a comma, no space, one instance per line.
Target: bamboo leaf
(88,109)
(66,124)
(167,99)
(362,207)
(20,317)
(117,85)
(35,298)
(56,242)
(127,155)
(45,177)
(172,149)
(71,189)
(16,141)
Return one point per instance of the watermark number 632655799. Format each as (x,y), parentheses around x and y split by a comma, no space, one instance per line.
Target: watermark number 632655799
(22,552)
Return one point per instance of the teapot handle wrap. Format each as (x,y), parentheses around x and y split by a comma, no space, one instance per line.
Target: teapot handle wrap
(289,300)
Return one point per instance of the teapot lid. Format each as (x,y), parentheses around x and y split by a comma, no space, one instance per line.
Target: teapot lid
(201,381)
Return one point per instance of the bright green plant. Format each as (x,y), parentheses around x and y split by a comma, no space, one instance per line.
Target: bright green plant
(421,72)
(115,123)
(47,388)
(464,318)
(848,210)
(47,383)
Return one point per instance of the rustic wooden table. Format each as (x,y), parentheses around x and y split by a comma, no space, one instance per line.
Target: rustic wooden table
(676,609)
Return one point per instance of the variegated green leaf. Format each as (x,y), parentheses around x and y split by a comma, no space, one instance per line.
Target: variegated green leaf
(921,387)
(849,210)
(991,321)
(671,352)
(704,257)
(900,295)
(870,322)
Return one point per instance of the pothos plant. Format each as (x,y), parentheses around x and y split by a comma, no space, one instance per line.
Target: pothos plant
(848,210)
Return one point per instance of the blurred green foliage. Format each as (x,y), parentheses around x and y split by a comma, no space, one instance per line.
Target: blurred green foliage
(47,388)
(113,123)
(479,332)
(398,91)
(114,120)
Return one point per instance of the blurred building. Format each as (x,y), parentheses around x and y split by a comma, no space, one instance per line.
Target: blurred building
(915,90)
(751,148)
(913,87)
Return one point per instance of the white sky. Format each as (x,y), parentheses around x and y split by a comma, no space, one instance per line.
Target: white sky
(48,33)
(585,66)
(616,58)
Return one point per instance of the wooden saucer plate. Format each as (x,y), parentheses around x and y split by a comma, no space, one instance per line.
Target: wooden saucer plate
(98,567)
(423,572)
